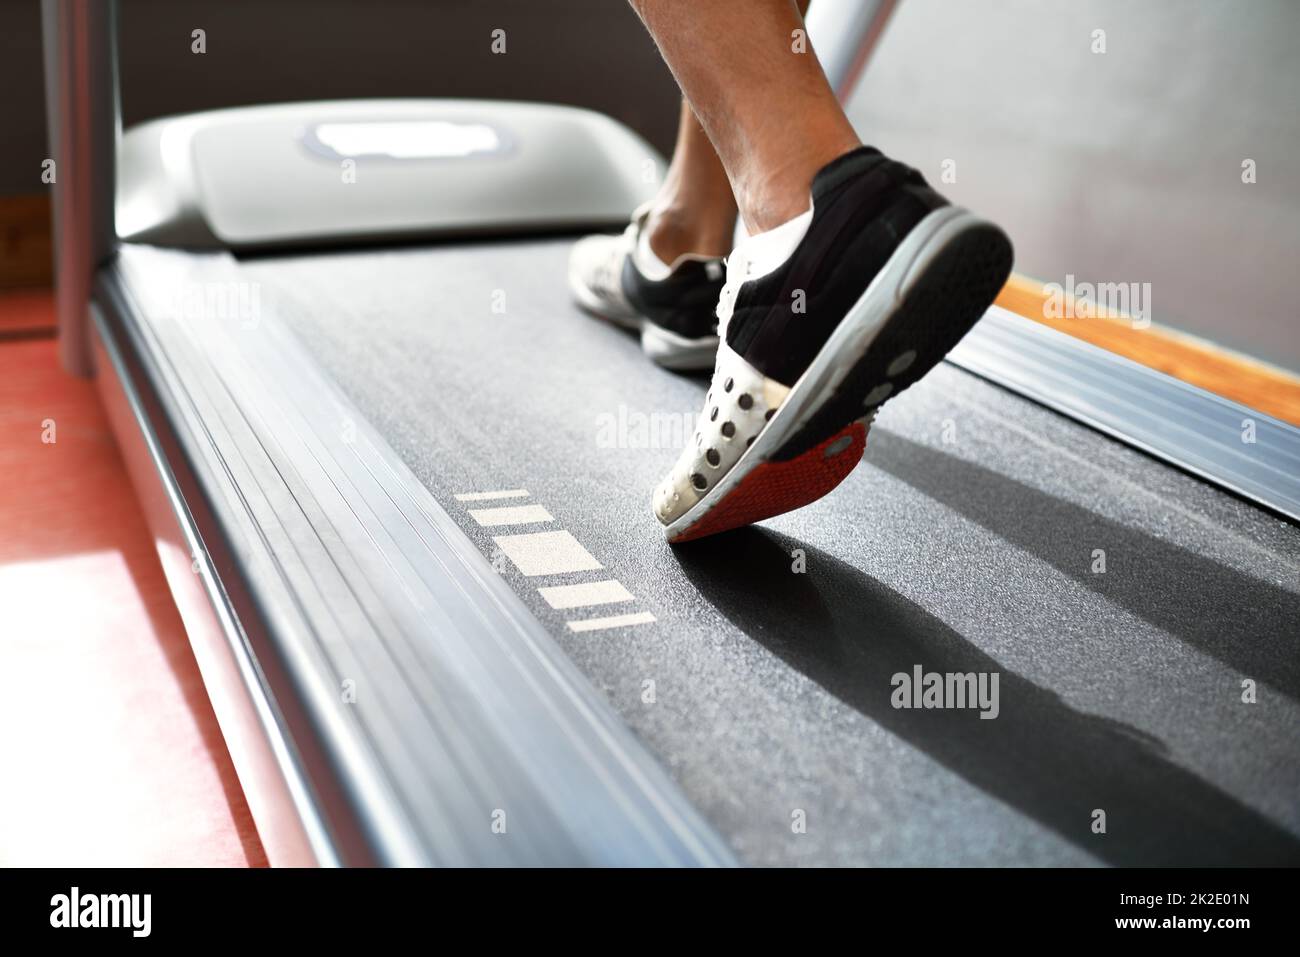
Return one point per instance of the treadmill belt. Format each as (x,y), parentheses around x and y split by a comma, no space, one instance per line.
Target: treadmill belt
(1121,603)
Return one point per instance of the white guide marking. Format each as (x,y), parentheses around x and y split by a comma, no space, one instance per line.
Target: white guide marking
(587,593)
(614,621)
(490,496)
(547,553)
(510,515)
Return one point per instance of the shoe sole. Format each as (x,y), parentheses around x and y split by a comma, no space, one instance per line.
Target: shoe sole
(677,352)
(666,349)
(934,288)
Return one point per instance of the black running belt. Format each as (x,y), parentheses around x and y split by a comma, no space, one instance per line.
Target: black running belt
(780,673)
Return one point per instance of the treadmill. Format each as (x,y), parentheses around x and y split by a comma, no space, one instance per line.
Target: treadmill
(400,486)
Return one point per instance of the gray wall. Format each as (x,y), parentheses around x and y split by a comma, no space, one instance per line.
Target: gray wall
(1115,167)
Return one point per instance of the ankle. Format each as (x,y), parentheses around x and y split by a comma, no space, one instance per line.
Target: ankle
(766,206)
(676,230)
(775,192)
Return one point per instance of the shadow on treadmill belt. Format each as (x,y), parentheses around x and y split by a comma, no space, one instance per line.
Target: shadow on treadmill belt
(1183,593)
(850,634)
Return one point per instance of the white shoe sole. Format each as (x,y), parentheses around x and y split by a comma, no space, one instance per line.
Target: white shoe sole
(677,352)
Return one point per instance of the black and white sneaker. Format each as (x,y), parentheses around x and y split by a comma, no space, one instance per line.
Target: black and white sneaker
(673,308)
(822,320)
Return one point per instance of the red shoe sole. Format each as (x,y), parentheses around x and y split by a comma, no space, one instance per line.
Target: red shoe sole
(774,488)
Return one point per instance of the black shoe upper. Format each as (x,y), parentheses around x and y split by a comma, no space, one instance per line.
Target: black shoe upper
(684,303)
(864,205)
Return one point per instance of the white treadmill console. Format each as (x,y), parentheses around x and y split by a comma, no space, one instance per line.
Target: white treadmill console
(367,170)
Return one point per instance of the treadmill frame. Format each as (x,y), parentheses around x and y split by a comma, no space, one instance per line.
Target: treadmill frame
(323,559)
(320,791)
(316,791)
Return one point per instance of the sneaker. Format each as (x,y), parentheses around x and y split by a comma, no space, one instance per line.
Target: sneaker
(823,319)
(673,307)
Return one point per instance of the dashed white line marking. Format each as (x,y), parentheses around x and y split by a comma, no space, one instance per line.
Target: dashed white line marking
(490,496)
(510,515)
(547,553)
(586,593)
(614,621)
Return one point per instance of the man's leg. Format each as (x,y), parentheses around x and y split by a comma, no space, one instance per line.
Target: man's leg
(663,275)
(694,211)
(767,109)
(856,280)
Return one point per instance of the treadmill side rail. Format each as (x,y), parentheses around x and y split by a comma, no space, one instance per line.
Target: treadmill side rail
(1226,443)
(428,715)
(288,824)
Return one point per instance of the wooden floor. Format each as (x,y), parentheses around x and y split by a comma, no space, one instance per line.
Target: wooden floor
(25,313)
(110,750)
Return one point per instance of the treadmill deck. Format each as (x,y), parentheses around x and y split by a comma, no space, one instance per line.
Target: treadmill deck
(969,540)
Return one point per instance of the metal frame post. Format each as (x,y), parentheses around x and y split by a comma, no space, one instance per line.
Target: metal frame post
(845,33)
(84,122)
